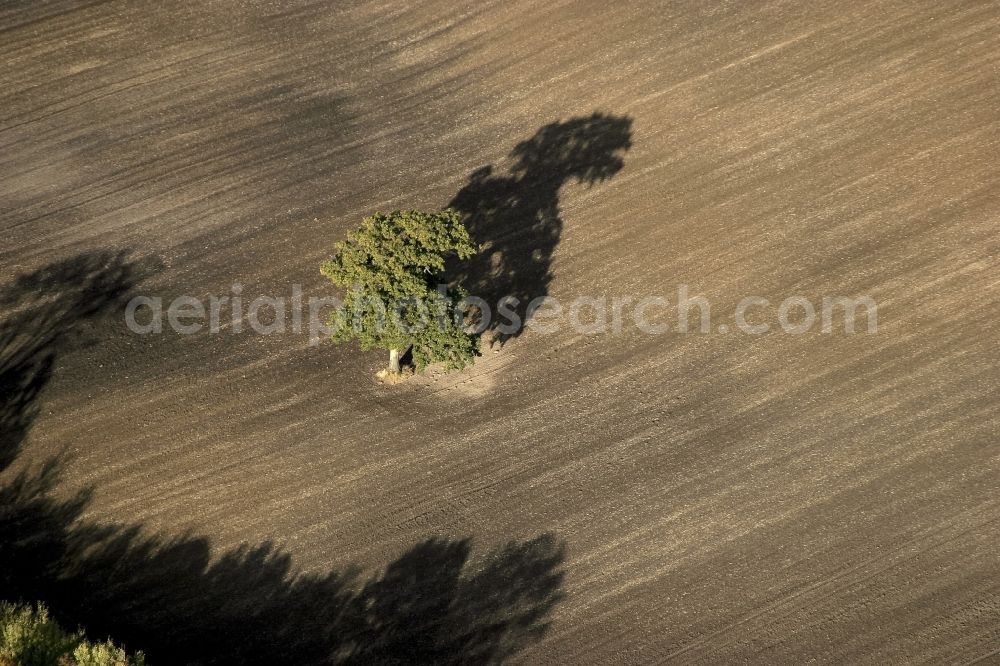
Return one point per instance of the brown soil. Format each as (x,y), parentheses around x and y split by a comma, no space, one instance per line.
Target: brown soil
(692,498)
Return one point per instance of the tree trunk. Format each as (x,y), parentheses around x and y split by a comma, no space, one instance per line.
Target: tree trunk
(394,361)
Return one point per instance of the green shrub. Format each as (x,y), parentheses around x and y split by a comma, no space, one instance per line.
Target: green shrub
(103,654)
(29,637)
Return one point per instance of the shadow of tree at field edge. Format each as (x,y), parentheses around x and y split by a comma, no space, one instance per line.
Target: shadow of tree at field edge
(172,599)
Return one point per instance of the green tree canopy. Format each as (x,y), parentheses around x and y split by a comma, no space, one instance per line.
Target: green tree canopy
(390,267)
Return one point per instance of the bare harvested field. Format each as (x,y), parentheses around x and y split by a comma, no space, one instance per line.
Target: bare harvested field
(618,497)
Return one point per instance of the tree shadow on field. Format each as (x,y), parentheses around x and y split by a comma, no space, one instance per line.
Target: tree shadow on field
(178,603)
(516,218)
(46,312)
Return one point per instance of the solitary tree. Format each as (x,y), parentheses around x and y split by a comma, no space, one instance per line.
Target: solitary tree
(390,268)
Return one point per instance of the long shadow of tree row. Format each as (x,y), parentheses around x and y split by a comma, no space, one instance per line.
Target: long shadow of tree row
(172,599)
(516,217)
